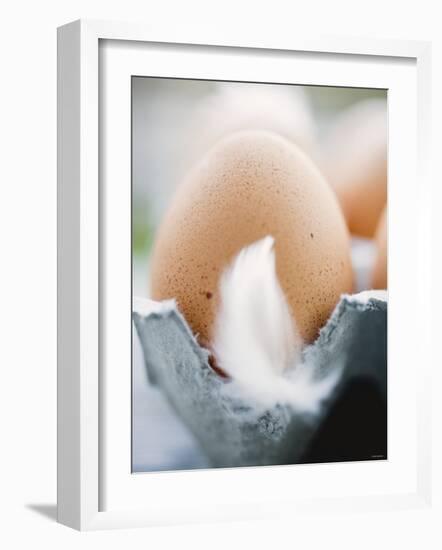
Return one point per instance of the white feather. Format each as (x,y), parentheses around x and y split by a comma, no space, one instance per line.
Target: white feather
(256,341)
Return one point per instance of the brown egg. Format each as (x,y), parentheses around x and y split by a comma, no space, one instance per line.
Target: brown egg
(379,274)
(356,164)
(250,185)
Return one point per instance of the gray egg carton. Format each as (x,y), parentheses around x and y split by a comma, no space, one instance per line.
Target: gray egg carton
(234,431)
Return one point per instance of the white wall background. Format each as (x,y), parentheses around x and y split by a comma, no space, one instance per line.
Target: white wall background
(28,260)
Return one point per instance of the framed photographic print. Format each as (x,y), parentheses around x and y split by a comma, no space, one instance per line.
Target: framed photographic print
(242,256)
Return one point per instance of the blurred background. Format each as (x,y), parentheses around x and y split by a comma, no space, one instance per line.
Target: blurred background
(174,122)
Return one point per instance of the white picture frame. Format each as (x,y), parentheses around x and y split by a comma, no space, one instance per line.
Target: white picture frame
(81,437)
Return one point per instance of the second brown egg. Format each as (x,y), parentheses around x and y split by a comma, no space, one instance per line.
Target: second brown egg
(355,164)
(379,274)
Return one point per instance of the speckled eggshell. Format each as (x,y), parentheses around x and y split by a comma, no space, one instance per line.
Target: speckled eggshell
(379,275)
(250,185)
(355,163)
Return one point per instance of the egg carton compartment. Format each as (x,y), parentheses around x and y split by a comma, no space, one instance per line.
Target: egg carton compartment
(235,431)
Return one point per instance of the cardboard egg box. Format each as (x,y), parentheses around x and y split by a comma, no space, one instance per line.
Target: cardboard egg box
(233,430)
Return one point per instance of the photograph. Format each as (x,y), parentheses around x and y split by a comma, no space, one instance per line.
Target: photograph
(259,274)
